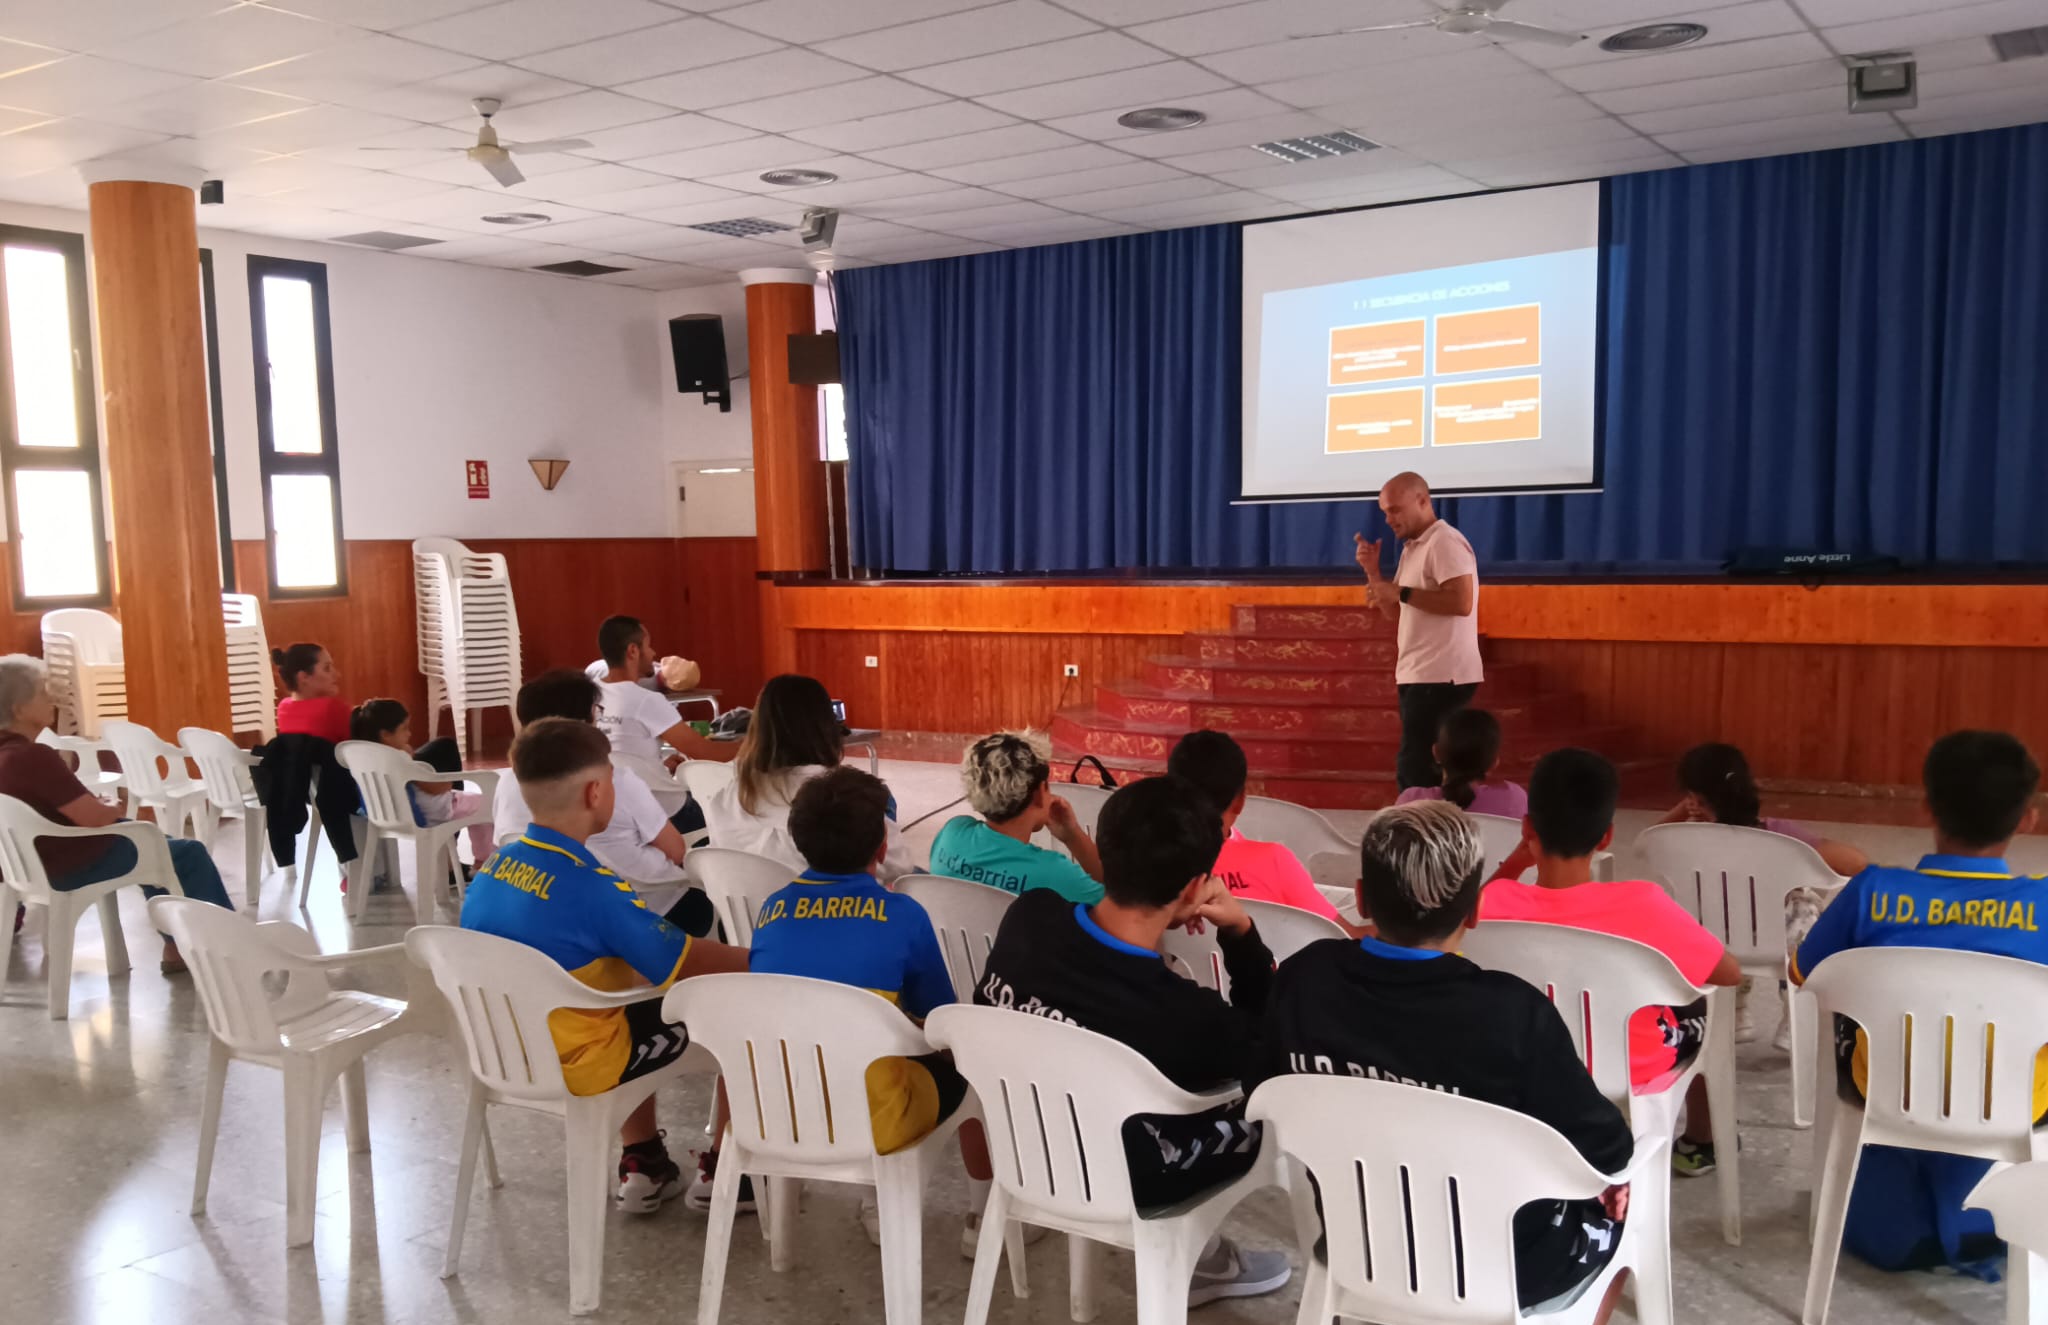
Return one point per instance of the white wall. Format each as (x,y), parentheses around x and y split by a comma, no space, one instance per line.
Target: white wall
(436,363)
(691,429)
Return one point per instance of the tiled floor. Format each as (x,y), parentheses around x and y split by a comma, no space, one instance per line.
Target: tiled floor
(98,1118)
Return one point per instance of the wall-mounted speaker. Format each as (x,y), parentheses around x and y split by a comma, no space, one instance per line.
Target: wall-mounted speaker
(697,342)
(814,360)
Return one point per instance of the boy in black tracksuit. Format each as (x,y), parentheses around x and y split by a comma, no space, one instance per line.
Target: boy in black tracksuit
(1402,1006)
(1099,967)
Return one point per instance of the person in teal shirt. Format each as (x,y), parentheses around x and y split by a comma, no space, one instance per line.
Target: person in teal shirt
(1009,782)
(1906,1211)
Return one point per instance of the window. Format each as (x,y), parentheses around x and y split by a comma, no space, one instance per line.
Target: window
(295,426)
(220,446)
(49,439)
(832,421)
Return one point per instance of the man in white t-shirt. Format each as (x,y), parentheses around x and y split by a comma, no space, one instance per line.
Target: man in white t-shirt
(640,844)
(637,718)
(1434,596)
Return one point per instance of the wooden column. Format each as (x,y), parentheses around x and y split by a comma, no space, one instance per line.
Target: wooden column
(792,532)
(159,463)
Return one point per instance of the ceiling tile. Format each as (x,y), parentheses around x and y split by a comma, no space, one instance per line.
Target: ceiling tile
(342,187)
(66,143)
(1802,77)
(849,168)
(465,208)
(674,133)
(16,56)
(1153,85)
(1065,230)
(522,27)
(377,15)
(1123,13)
(1598,15)
(866,193)
(841,105)
(1474,66)
(913,209)
(757,154)
(1232,106)
(1984,117)
(688,44)
(1509,136)
(707,213)
(454,167)
(1873,129)
(1276,173)
(475,248)
(416,146)
(1746,110)
(1010,211)
(1017,138)
(812,21)
(1122,175)
(1236,205)
(910,126)
(645,202)
(1222,161)
(229,41)
(1734,58)
(738,80)
(1172,190)
(1232,133)
(571,116)
(84,84)
(84,25)
(196,108)
(1565,164)
(585,182)
(614,234)
(1268,21)
(1936,22)
(316,126)
(1029,66)
(1080,156)
(356,72)
(668,276)
(10,120)
(1302,57)
(1740,22)
(2031,96)
(995,27)
(1835,125)
(449,97)
(1422,182)
(1834,13)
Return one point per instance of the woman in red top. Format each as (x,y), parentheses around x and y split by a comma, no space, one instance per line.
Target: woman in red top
(313,705)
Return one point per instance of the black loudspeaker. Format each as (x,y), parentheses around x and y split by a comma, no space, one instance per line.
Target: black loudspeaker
(814,360)
(697,340)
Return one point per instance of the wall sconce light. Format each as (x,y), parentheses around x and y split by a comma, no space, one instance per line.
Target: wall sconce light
(549,472)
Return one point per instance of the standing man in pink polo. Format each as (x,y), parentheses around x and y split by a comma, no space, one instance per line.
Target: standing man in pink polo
(1434,596)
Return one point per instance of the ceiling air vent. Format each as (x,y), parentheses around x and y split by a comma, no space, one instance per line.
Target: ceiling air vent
(578,268)
(1316,146)
(2021,43)
(741,227)
(388,240)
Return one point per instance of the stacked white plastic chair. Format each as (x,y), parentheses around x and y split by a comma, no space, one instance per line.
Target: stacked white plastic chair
(82,647)
(252,694)
(468,634)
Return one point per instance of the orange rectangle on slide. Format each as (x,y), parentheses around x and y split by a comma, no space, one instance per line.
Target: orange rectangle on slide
(1502,409)
(1374,420)
(1489,339)
(1376,352)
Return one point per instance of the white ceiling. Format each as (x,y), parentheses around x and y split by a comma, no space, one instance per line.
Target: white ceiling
(955,126)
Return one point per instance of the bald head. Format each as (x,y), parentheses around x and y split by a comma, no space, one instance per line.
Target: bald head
(1404,501)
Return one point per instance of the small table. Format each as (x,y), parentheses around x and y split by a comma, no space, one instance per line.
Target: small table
(863,738)
(682,697)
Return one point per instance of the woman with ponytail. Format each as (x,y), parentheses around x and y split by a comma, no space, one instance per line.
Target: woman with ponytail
(312,705)
(1468,747)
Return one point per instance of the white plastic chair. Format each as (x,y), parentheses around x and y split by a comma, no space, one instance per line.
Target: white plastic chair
(1418,1205)
(500,993)
(2017,1197)
(1500,835)
(106,783)
(1087,800)
(737,882)
(1298,828)
(1197,957)
(383,774)
(1598,982)
(1288,929)
(1734,882)
(155,773)
(704,777)
(21,868)
(1938,1077)
(1055,1098)
(965,916)
(88,680)
(312,1032)
(795,1054)
(231,793)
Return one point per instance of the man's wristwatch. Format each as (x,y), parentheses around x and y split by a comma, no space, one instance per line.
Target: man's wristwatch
(1405,590)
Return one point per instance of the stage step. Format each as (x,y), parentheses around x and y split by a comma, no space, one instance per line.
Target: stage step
(1644,782)
(1305,652)
(1260,683)
(1136,703)
(1274,622)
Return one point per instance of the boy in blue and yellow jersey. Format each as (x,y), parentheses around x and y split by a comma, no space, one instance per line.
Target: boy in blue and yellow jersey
(545,889)
(1906,1210)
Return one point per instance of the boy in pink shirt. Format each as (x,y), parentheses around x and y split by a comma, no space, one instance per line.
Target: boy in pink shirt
(1261,871)
(1572,794)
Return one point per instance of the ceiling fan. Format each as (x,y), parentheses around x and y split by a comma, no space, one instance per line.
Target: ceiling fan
(494,156)
(1478,19)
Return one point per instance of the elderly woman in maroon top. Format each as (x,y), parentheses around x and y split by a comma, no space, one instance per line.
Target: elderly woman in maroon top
(38,775)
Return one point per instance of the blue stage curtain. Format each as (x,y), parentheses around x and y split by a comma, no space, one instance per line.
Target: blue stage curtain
(1840,350)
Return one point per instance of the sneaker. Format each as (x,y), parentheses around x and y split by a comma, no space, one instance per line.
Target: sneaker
(699,1198)
(648,1178)
(1231,1271)
(1782,1041)
(970,1235)
(1692,1159)
(1746,1029)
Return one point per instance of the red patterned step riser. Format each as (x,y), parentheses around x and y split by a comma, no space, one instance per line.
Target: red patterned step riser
(1370,686)
(1363,756)
(1185,713)
(1366,653)
(1279,622)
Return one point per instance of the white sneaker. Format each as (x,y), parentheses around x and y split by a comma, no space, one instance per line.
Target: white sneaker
(970,1235)
(1230,1271)
(1746,1029)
